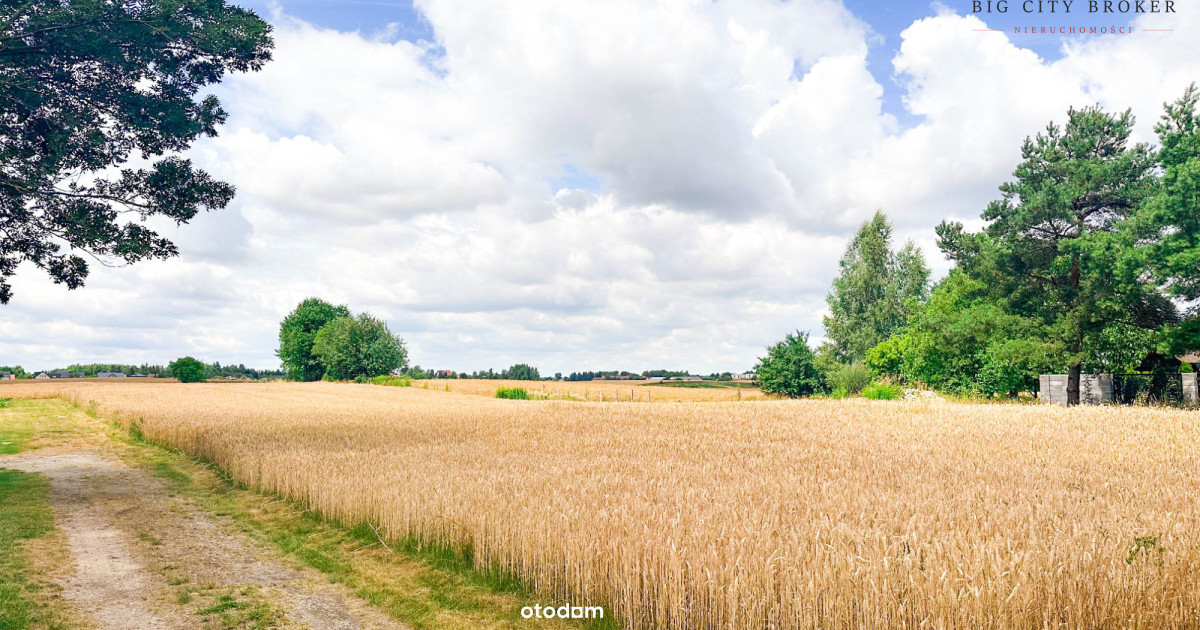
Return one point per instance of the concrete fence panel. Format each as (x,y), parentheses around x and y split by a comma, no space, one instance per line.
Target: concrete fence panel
(1094,389)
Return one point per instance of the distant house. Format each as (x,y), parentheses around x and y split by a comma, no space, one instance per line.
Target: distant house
(61,375)
(8,376)
(746,376)
(110,375)
(42,375)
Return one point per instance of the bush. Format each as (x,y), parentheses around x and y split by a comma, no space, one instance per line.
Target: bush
(851,378)
(392,381)
(882,391)
(512,393)
(188,370)
(789,369)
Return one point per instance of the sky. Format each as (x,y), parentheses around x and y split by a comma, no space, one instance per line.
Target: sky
(623,185)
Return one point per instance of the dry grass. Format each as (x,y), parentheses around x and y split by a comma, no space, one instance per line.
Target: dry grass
(817,514)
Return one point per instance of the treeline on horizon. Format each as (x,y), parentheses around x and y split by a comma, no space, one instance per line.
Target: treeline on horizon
(89,370)
(525,372)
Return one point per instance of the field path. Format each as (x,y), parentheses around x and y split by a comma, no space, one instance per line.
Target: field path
(145,560)
(109,584)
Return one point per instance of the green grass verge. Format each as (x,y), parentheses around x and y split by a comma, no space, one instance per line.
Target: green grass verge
(27,424)
(24,514)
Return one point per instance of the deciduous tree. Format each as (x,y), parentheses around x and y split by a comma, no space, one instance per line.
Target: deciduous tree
(875,290)
(88,87)
(298,331)
(188,370)
(790,369)
(354,347)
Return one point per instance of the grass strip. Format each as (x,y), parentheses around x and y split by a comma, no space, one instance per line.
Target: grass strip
(25,514)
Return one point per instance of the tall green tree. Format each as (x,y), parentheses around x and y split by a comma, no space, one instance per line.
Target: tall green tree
(354,347)
(1055,241)
(88,85)
(875,290)
(297,333)
(1169,227)
(188,370)
(1173,214)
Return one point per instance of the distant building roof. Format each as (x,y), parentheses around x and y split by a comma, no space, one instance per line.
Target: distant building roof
(1191,357)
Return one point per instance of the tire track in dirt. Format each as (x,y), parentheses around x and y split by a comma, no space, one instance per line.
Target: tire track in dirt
(109,584)
(108,511)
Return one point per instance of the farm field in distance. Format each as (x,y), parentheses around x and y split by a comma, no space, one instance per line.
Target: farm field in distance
(601,391)
(785,514)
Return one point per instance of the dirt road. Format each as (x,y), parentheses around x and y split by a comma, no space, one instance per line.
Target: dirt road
(145,560)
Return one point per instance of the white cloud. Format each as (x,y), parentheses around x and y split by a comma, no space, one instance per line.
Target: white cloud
(738,142)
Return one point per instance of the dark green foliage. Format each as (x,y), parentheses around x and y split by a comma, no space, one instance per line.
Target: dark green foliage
(875,290)
(1056,245)
(188,370)
(1117,349)
(215,370)
(87,85)
(1168,229)
(965,341)
(789,369)
(297,333)
(512,393)
(521,372)
(661,373)
(92,369)
(353,347)
(1170,224)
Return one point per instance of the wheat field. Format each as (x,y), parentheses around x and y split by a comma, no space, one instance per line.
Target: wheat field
(596,391)
(735,515)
